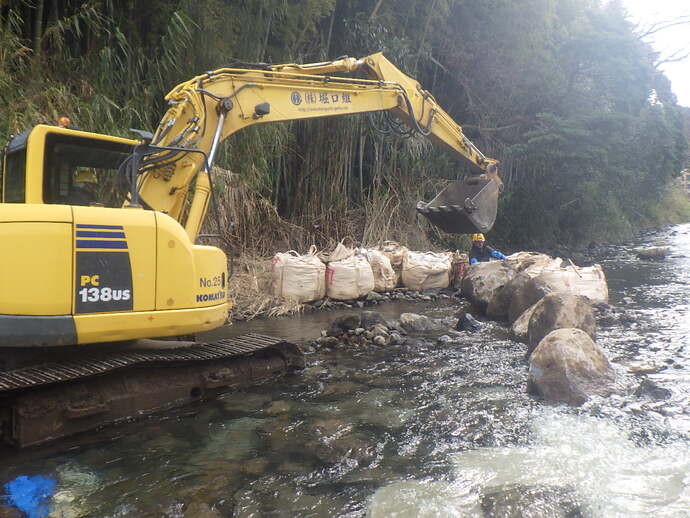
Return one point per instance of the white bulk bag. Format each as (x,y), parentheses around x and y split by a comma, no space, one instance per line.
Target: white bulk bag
(395,253)
(385,278)
(426,270)
(340,252)
(301,278)
(349,278)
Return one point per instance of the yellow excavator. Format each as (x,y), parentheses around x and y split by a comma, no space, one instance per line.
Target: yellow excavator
(88,291)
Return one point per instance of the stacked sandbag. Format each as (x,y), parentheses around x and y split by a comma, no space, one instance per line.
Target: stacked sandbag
(349,278)
(385,278)
(426,270)
(395,253)
(300,278)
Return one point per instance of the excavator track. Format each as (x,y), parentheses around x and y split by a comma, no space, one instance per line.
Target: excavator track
(52,400)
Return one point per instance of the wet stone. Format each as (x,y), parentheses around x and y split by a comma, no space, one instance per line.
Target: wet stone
(343,324)
(371,318)
(255,467)
(244,402)
(341,388)
(350,447)
(650,389)
(278,407)
(530,502)
(373,296)
(416,323)
(328,341)
(294,468)
(467,322)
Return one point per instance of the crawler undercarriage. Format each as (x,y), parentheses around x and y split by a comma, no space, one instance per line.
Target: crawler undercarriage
(42,400)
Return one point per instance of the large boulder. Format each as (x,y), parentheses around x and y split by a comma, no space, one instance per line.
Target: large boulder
(568,367)
(589,281)
(655,253)
(520,328)
(499,306)
(532,263)
(525,295)
(560,310)
(484,280)
(415,323)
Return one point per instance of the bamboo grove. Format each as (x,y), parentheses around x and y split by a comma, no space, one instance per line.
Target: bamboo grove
(563,92)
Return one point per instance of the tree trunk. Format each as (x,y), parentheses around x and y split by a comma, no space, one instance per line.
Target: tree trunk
(38,27)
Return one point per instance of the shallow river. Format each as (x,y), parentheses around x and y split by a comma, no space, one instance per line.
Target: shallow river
(428,430)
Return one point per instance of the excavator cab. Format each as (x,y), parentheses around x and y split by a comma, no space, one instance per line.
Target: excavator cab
(464,207)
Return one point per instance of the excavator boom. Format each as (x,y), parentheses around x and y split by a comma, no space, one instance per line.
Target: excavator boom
(228,100)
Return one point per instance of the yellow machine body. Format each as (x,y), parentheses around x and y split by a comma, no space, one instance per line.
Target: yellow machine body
(88,274)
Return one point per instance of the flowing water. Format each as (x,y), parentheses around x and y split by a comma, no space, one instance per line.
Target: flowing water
(418,430)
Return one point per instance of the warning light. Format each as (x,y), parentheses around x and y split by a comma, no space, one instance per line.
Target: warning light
(64,122)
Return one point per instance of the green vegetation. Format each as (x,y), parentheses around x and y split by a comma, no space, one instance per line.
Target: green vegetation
(563,92)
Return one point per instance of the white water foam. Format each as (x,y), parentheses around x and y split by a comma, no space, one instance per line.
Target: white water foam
(610,476)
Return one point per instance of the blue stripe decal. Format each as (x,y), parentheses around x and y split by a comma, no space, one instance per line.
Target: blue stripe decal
(84,243)
(95,233)
(102,227)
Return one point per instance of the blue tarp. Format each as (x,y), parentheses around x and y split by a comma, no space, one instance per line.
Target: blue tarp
(30,494)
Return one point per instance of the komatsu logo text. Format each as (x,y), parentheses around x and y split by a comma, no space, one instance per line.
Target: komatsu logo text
(208,297)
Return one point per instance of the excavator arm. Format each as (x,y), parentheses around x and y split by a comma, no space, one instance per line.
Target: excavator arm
(209,108)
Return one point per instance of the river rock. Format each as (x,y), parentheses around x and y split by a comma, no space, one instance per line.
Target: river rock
(499,306)
(525,295)
(255,467)
(414,323)
(369,319)
(520,328)
(652,390)
(654,253)
(353,447)
(344,324)
(467,322)
(560,310)
(568,367)
(518,501)
(484,280)
(278,407)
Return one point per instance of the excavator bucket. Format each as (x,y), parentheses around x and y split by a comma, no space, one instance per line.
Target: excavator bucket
(466,206)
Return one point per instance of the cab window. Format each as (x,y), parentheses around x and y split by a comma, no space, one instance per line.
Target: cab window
(14,177)
(82,171)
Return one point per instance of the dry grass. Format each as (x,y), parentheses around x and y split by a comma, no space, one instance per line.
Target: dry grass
(250,290)
(253,232)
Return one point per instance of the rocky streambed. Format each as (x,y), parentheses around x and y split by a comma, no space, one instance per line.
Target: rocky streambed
(412,417)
